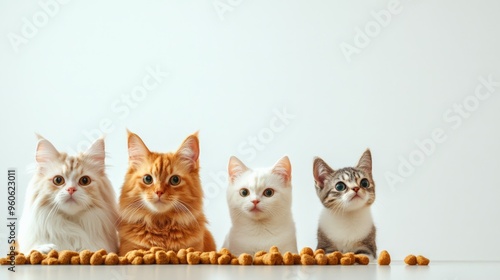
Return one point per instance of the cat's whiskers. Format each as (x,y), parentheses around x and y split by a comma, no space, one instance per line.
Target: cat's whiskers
(131,209)
(180,205)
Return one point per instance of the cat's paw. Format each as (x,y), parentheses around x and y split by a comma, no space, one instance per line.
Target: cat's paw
(45,248)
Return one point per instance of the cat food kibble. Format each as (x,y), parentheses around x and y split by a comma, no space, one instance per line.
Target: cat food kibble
(193,257)
(172,257)
(161,257)
(273,258)
(307,259)
(351,256)
(421,260)
(111,259)
(307,251)
(384,258)
(50,261)
(245,259)
(205,258)
(362,259)
(36,257)
(66,255)
(137,260)
(213,257)
(123,260)
(234,261)
(20,259)
(96,259)
(182,255)
(53,254)
(149,258)
(319,251)
(85,256)
(296,259)
(288,258)
(411,260)
(321,259)
(224,259)
(346,261)
(332,259)
(75,260)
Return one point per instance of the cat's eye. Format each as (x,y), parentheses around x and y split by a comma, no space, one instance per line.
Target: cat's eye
(340,186)
(174,180)
(147,179)
(84,181)
(365,183)
(244,192)
(268,192)
(58,180)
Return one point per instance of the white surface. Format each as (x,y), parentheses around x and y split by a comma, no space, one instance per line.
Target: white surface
(437,270)
(228,78)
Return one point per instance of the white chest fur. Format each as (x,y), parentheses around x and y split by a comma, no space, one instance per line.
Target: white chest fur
(345,229)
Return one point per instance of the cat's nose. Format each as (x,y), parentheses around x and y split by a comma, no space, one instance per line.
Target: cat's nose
(159,193)
(355,189)
(255,202)
(71,190)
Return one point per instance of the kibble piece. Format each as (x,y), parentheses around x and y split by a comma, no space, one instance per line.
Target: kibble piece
(75,260)
(245,259)
(306,259)
(149,258)
(213,256)
(193,258)
(321,259)
(224,251)
(53,254)
(224,259)
(272,258)
(85,256)
(156,249)
(411,260)
(288,258)
(307,251)
(338,254)
(384,258)
(346,261)
(205,258)
(351,256)
(182,255)
(332,259)
(161,257)
(362,259)
(274,249)
(137,260)
(421,260)
(123,260)
(102,252)
(4,261)
(111,259)
(65,256)
(36,257)
(172,257)
(20,259)
(319,251)
(50,261)
(96,259)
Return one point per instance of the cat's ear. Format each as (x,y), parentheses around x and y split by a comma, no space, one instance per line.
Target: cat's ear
(137,150)
(321,171)
(365,162)
(190,150)
(97,153)
(45,151)
(283,168)
(235,168)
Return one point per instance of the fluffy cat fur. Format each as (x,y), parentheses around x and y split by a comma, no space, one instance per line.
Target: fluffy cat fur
(70,204)
(346,222)
(260,220)
(161,202)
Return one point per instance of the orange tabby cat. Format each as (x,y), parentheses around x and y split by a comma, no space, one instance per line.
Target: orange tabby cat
(161,202)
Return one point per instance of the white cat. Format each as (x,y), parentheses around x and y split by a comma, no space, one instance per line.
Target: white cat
(70,204)
(260,204)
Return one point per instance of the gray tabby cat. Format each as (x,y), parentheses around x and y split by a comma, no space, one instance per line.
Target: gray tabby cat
(346,222)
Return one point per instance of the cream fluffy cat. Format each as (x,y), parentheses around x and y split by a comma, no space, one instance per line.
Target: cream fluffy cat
(70,204)
(260,207)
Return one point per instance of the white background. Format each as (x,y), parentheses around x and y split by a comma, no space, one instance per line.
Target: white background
(230,71)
